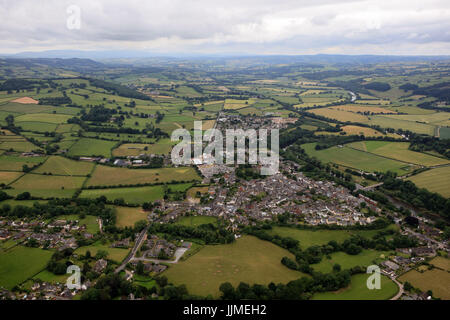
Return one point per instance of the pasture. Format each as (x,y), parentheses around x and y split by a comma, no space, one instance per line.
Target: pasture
(195,221)
(62,166)
(308,238)
(394,122)
(114,254)
(6,177)
(133,195)
(347,261)
(397,151)
(434,180)
(46,186)
(92,147)
(363,109)
(339,115)
(248,259)
(163,146)
(435,280)
(21,263)
(357,290)
(111,176)
(356,159)
(127,217)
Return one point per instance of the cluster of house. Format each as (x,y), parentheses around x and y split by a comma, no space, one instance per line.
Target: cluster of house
(269,121)
(150,267)
(314,202)
(155,247)
(56,234)
(135,161)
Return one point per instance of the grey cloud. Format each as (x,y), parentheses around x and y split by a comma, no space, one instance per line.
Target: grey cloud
(252,26)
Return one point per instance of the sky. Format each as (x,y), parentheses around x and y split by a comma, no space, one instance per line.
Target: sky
(291,27)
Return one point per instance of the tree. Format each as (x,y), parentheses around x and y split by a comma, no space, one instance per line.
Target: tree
(336,267)
(101,254)
(227,291)
(9,120)
(140,225)
(140,268)
(161,281)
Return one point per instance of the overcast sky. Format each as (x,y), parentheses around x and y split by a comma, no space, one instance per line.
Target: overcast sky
(229,26)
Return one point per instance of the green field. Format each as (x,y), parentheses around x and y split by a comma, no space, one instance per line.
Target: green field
(308,238)
(397,151)
(347,261)
(6,177)
(435,280)
(356,159)
(50,277)
(194,221)
(163,146)
(357,290)
(434,180)
(13,163)
(63,166)
(21,263)
(43,117)
(111,176)
(47,186)
(127,217)
(89,221)
(114,254)
(134,195)
(92,147)
(398,123)
(248,259)
(17,145)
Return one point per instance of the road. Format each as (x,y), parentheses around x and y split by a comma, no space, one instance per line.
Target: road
(400,290)
(400,286)
(142,236)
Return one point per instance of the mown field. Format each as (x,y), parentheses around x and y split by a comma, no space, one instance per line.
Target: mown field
(92,147)
(397,151)
(357,130)
(47,186)
(127,217)
(435,280)
(21,263)
(356,159)
(63,166)
(248,259)
(194,221)
(357,290)
(114,254)
(6,177)
(133,195)
(308,238)
(110,176)
(347,261)
(434,180)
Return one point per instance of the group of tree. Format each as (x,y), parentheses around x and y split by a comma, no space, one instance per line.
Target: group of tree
(209,233)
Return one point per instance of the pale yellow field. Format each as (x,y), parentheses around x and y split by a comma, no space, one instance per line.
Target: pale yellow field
(357,108)
(340,115)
